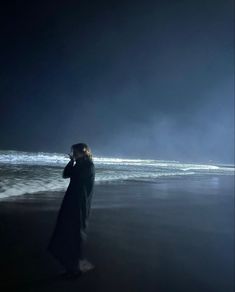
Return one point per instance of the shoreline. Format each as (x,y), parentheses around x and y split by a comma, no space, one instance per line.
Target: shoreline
(159,180)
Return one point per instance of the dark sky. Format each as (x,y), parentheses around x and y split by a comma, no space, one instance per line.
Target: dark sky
(138,79)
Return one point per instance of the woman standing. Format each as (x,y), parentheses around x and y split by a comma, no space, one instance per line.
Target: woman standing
(69,234)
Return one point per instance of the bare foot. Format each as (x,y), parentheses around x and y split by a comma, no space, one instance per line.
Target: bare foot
(85,265)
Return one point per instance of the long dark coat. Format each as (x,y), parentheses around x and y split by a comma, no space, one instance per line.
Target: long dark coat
(72,220)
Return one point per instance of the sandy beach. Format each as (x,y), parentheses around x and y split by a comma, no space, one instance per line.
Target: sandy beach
(173,235)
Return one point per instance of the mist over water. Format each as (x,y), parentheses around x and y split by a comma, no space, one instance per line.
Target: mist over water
(31,172)
(197,128)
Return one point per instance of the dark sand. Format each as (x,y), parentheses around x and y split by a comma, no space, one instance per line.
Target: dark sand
(173,235)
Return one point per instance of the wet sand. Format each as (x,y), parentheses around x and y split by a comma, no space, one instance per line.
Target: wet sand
(173,235)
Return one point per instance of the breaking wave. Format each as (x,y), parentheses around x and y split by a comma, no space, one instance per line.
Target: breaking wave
(30,172)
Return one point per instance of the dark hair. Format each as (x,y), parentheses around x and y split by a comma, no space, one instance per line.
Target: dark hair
(82,148)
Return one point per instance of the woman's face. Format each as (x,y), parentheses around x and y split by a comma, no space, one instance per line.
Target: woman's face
(77,154)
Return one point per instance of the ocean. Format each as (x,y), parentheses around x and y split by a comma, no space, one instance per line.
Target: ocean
(32,172)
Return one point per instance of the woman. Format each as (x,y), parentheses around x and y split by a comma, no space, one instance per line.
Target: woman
(68,237)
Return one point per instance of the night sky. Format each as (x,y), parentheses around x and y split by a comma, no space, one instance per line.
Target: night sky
(137,79)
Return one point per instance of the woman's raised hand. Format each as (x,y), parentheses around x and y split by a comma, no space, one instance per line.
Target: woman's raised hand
(70,156)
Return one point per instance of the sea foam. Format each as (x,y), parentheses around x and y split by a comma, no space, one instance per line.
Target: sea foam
(30,172)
